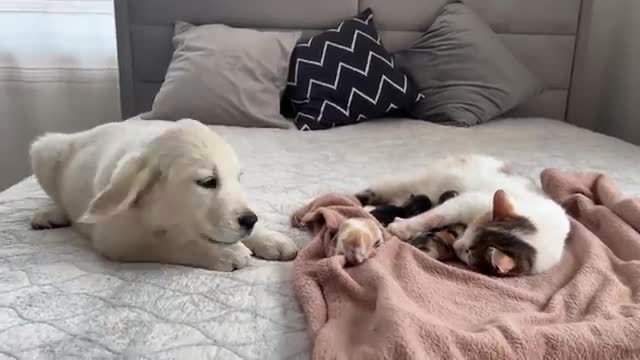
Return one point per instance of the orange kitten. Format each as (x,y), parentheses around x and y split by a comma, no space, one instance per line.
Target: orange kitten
(356,238)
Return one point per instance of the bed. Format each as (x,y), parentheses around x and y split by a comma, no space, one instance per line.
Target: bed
(58,299)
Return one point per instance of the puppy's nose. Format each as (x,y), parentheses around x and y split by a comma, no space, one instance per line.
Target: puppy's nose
(248,220)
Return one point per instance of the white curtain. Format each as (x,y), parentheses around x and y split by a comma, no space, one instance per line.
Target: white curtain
(614,70)
(58,72)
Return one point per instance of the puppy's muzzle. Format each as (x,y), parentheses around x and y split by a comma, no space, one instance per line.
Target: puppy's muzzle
(247,221)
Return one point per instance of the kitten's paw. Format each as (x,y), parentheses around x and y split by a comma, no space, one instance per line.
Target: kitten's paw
(49,218)
(403,229)
(271,245)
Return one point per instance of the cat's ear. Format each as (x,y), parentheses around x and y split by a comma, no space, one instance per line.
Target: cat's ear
(500,261)
(502,206)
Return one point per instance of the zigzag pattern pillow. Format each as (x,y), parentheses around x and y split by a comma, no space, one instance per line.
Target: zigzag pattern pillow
(344,76)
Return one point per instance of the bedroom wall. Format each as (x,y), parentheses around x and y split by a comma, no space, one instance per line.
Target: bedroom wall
(57,73)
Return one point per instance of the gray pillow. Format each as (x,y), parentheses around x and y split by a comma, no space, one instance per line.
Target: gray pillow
(466,74)
(222,75)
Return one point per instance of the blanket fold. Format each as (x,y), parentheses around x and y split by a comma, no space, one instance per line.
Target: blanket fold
(401,304)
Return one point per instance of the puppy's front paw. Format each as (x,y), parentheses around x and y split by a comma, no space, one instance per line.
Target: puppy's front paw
(403,229)
(240,257)
(272,245)
(231,257)
(49,218)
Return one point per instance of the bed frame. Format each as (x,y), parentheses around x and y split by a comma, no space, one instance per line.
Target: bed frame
(550,36)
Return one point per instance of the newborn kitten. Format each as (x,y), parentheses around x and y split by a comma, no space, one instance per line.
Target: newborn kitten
(356,238)
(416,204)
(438,243)
(512,227)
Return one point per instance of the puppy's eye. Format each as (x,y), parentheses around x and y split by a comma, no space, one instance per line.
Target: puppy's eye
(208,183)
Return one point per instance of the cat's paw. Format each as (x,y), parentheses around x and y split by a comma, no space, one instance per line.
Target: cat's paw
(403,229)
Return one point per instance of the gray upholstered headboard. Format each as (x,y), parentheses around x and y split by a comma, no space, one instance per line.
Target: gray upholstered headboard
(548,35)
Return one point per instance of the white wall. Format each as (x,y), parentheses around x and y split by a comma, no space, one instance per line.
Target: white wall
(58,72)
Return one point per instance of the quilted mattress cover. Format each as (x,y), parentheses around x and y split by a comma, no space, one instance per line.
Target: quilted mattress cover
(59,300)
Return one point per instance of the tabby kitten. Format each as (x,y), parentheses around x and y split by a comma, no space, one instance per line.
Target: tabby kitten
(437,243)
(416,204)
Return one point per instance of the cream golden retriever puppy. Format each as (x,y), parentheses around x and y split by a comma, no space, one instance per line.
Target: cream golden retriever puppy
(153,191)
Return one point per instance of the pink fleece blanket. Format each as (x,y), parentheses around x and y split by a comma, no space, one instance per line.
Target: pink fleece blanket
(401,304)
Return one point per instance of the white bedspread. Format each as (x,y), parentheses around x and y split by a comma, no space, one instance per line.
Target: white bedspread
(59,300)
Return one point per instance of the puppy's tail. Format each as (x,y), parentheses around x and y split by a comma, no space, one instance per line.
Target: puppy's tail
(47,154)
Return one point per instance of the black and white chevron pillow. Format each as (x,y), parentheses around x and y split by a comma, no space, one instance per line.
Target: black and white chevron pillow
(344,76)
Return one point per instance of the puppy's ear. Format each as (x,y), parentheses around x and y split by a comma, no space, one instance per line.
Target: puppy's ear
(130,177)
(502,206)
(501,262)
